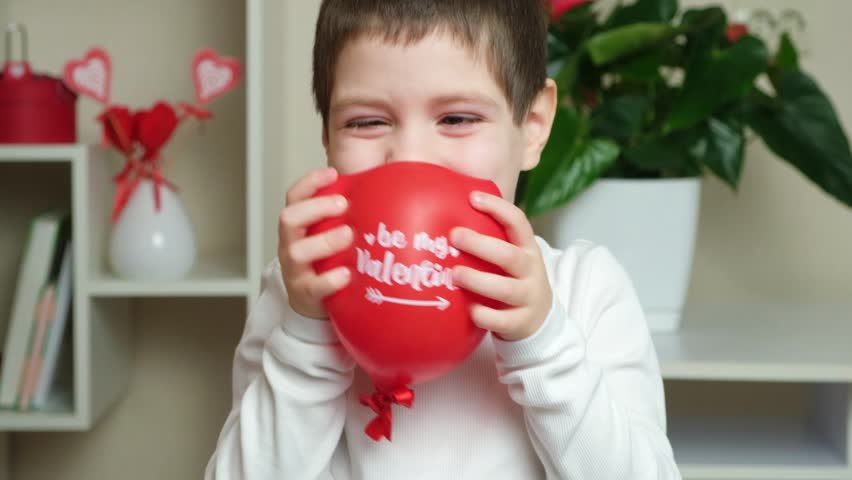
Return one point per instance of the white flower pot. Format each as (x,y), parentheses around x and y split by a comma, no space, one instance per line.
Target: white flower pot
(146,244)
(649,225)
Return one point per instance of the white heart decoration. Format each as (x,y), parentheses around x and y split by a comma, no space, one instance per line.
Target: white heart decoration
(213,75)
(214,79)
(93,76)
(90,75)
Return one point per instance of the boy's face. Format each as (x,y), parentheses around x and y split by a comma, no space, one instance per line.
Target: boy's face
(432,101)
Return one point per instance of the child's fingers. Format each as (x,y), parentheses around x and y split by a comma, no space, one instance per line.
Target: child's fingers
(502,322)
(322,245)
(295,218)
(308,185)
(518,228)
(512,259)
(328,282)
(496,287)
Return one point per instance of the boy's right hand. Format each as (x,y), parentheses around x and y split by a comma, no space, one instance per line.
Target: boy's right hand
(296,251)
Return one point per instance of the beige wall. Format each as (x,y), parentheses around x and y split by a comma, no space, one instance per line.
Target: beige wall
(778,238)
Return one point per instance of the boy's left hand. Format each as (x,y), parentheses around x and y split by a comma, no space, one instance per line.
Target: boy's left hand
(526,290)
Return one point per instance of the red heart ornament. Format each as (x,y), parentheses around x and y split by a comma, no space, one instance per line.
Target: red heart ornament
(213,75)
(119,127)
(400,317)
(90,76)
(155,127)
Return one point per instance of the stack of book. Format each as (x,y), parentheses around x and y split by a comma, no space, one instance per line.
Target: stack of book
(39,315)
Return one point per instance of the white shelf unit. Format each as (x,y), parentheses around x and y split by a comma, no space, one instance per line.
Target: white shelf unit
(210,277)
(79,176)
(746,354)
(33,178)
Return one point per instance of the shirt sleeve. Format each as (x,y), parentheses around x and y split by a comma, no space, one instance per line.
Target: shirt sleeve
(589,380)
(290,381)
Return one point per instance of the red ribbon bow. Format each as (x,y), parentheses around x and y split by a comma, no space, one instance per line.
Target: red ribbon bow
(381,402)
(139,136)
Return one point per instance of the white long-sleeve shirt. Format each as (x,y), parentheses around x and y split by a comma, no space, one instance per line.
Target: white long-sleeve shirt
(581,399)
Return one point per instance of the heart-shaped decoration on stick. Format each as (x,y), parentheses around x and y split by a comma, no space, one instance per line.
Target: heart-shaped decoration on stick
(90,76)
(140,134)
(213,75)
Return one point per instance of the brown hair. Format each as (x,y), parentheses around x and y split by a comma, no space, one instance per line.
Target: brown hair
(511,33)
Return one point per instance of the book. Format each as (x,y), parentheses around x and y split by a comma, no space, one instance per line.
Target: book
(48,233)
(52,309)
(45,310)
(46,377)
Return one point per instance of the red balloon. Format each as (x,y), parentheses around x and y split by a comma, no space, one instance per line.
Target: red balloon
(401,317)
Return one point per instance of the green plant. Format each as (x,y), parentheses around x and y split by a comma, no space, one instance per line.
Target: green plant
(650,93)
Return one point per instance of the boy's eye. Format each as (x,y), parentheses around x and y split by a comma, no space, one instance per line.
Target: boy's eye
(365,123)
(454,120)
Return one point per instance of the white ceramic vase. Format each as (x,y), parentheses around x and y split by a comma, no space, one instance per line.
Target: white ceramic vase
(146,244)
(650,227)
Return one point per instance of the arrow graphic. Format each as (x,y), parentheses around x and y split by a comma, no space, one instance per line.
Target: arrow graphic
(375,296)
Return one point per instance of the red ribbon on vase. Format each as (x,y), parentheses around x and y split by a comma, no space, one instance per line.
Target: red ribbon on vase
(139,136)
(381,402)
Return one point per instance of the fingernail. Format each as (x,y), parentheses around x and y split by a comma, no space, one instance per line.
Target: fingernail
(345,274)
(345,232)
(340,201)
(456,235)
(476,198)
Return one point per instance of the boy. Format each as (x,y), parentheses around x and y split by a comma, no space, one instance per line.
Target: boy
(576,392)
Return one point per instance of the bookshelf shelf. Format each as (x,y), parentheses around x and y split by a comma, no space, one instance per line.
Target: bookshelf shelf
(42,421)
(749,355)
(47,176)
(213,276)
(43,153)
(766,448)
(78,176)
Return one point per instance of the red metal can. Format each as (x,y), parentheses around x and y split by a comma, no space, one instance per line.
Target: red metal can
(34,108)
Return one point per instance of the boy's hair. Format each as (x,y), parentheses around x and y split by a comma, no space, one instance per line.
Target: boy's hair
(512,34)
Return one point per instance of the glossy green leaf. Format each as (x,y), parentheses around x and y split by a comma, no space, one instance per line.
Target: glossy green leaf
(574,173)
(657,154)
(566,77)
(717,80)
(567,128)
(575,25)
(802,127)
(787,56)
(721,147)
(704,29)
(613,44)
(643,68)
(620,117)
(643,11)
